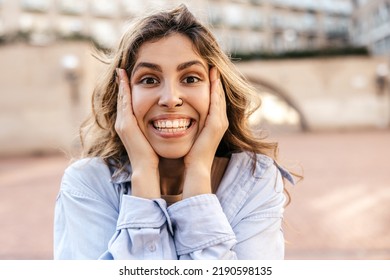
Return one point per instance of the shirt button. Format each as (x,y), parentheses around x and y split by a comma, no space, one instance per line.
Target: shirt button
(151,247)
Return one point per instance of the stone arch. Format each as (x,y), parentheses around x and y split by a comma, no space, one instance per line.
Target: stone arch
(268,87)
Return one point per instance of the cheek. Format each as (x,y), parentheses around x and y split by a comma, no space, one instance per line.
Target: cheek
(201,103)
(204,101)
(204,107)
(140,104)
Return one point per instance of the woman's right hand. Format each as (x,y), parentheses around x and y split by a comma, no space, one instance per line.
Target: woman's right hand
(144,161)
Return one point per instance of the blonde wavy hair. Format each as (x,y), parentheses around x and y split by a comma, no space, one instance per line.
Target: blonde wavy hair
(98,135)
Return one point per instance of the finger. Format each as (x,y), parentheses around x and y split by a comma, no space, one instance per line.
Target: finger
(124,93)
(213,74)
(217,97)
(215,81)
(217,110)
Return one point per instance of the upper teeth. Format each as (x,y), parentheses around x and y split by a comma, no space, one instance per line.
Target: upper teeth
(172,123)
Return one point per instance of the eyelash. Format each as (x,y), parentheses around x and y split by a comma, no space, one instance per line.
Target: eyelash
(145,80)
(197,79)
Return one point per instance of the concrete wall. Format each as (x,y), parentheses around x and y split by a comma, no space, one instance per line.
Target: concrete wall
(36,110)
(37,113)
(332,93)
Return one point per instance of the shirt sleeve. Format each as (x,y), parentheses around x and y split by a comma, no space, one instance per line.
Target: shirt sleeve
(142,231)
(83,225)
(201,229)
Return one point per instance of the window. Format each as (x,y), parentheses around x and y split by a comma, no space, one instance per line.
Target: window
(104,8)
(255,42)
(35,5)
(256,19)
(104,33)
(70,26)
(215,16)
(131,7)
(72,6)
(258,2)
(234,16)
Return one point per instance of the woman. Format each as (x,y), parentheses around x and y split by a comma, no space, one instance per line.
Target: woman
(171,169)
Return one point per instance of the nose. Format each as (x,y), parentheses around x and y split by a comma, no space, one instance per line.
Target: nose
(170,97)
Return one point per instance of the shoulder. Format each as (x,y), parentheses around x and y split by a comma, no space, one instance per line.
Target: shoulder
(89,177)
(258,166)
(251,181)
(87,169)
(251,165)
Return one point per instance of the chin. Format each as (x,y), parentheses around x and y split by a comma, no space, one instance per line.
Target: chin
(172,154)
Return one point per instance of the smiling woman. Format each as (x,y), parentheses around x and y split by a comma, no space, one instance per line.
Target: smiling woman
(170,168)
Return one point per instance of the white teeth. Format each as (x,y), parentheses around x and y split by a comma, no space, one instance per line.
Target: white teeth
(172,125)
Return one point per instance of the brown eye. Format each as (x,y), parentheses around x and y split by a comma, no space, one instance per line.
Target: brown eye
(191,80)
(149,81)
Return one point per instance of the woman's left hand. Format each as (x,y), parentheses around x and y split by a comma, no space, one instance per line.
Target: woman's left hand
(199,160)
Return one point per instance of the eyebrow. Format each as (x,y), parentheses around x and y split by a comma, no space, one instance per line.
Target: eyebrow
(149,65)
(185,65)
(157,68)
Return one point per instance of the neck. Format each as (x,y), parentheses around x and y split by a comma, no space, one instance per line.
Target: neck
(171,176)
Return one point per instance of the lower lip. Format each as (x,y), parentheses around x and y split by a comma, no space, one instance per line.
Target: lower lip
(174,134)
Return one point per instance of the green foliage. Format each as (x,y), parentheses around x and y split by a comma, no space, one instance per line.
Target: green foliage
(328,52)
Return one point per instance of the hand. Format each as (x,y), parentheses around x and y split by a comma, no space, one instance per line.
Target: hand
(144,160)
(199,160)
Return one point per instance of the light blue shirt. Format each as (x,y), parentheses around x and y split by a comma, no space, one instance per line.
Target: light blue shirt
(96,217)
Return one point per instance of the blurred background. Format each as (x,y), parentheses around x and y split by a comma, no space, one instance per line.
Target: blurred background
(321,68)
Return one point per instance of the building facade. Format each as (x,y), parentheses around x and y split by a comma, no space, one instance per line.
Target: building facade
(370,25)
(280,25)
(243,26)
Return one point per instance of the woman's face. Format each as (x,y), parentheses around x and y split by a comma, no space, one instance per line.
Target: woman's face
(170,90)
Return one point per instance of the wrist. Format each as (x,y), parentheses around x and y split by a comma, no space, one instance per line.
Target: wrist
(197,181)
(198,165)
(145,183)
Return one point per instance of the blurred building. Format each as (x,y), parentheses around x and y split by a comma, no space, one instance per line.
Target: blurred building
(280,25)
(371,25)
(43,21)
(241,25)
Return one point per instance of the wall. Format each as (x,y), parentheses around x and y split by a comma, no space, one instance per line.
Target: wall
(332,93)
(36,110)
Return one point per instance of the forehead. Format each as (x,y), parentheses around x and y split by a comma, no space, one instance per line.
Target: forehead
(175,48)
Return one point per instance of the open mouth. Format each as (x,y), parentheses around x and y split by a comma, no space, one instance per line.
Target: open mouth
(172,125)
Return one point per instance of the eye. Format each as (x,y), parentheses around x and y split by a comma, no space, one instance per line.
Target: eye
(149,81)
(191,80)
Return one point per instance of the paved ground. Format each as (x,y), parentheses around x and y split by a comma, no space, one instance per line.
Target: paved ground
(341,210)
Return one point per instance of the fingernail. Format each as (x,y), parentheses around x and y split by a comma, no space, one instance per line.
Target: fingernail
(118,72)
